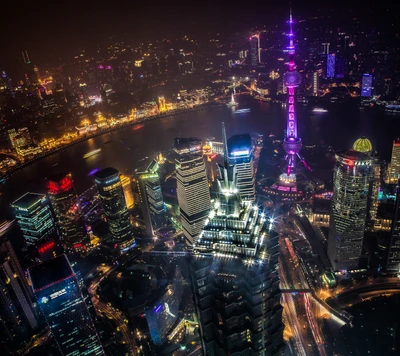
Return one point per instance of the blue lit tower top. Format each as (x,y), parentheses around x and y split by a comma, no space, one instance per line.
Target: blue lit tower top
(292,79)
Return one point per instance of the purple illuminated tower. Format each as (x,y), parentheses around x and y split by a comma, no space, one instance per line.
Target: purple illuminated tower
(292,143)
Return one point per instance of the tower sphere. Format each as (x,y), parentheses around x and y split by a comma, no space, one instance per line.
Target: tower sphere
(362,144)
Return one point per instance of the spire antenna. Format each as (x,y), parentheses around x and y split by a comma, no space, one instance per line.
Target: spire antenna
(225,142)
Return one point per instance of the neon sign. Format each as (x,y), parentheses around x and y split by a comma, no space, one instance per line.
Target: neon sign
(46,247)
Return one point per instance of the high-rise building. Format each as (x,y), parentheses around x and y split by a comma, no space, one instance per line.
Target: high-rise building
(254,50)
(18,317)
(162,316)
(394,169)
(330,65)
(366,85)
(128,193)
(235,278)
(64,200)
(61,301)
(192,186)
(315,83)
(393,260)
(112,196)
(151,198)
(34,217)
(240,154)
(351,182)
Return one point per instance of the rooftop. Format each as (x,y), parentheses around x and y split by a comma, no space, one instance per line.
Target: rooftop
(181,143)
(239,143)
(354,155)
(27,200)
(50,272)
(57,177)
(106,173)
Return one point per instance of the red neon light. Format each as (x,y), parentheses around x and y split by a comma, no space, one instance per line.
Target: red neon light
(63,186)
(46,247)
(77,245)
(66,184)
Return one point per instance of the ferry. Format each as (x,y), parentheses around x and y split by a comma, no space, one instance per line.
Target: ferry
(91,153)
(319,110)
(137,127)
(394,108)
(242,111)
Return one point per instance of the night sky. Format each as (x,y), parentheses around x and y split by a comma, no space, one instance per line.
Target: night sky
(50,29)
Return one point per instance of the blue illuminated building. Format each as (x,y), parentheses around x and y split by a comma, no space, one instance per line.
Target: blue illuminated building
(163,315)
(60,299)
(366,85)
(330,65)
(240,154)
(34,217)
(112,197)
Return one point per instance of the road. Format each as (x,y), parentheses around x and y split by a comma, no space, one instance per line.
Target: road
(110,312)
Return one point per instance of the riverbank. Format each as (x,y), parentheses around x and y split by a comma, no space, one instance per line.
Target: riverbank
(104,131)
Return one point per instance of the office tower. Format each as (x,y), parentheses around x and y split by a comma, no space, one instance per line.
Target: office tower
(366,85)
(18,317)
(254,50)
(151,199)
(330,65)
(394,169)
(19,138)
(163,315)
(315,83)
(393,260)
(112,197)
(235,278)
(240,154)
(128,193)
(191,186)
(351,180)
(292,142)
(64,200)
(25,57)
(34,217)
(60,299)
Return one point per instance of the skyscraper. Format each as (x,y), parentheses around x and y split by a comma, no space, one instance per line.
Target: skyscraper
(128,193)
(254,50)
(192,186)
(60,300)
(366,85)
(64,200)
(315,83)
(151,198)
(18,317)
(330,65)
(351,181)
(393,260)
(394,170)
(34,217)
(112,196)
(235,279)
(240,154)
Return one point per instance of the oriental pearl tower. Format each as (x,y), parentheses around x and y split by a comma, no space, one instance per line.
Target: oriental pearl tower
(292,143)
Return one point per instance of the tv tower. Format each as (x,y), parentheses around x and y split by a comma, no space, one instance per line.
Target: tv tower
(292,143)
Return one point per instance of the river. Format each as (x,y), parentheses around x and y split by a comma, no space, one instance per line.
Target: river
(126,148)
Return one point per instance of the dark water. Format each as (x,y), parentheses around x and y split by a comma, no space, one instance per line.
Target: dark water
(124,149)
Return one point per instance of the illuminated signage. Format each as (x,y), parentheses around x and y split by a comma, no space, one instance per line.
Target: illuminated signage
(348,162)
(46,247)
(58,294)
(240,153)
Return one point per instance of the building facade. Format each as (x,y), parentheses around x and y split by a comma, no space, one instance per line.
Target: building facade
(351,182)
(393,261)
(18,316)
(240,154)
(151,198)
(64,200)
(34,217)
(394,169)
(192,186)
(112,197)
(62,303)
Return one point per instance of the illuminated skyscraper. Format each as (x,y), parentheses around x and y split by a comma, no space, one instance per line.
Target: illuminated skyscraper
(60,299)
(128,193)
(394,169)
(112,196)
(351,181)
(18,317)
(235,278)
(151,198)
(330,65)
(366,85)
(240,154)
(192,186)
(315,84)
(34,217)
(254,50)
(393,261)
(64,200)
